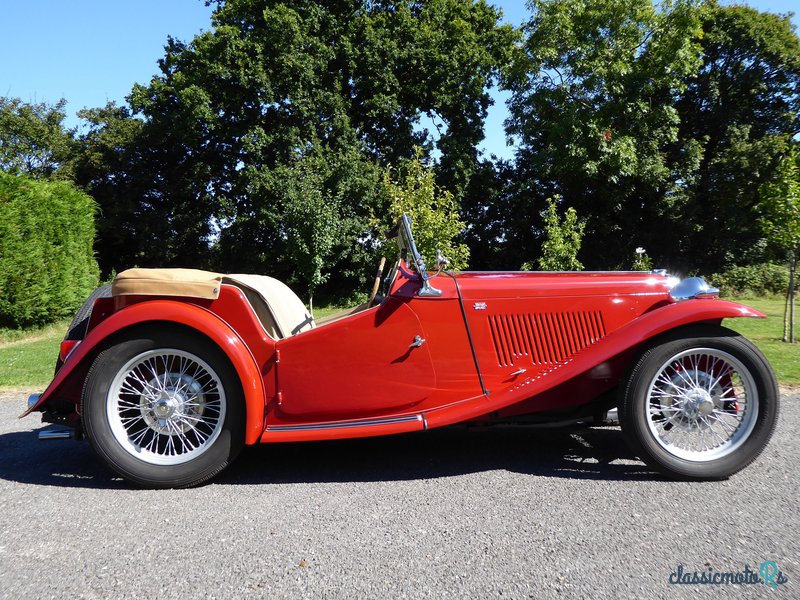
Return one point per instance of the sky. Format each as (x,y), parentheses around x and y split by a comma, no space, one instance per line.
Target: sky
(93,51)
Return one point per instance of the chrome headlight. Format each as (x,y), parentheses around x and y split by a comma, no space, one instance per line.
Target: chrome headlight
(692,287)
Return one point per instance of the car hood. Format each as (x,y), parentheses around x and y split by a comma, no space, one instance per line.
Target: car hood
(481,285)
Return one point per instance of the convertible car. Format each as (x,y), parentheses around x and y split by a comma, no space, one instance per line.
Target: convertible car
(170,372)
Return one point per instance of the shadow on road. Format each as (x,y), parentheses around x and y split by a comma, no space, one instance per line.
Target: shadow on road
(576,453)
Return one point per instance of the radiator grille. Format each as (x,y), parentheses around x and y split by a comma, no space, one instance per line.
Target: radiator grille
(543,338)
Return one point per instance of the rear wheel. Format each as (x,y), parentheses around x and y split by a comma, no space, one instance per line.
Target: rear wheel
(702,406)
(164,409)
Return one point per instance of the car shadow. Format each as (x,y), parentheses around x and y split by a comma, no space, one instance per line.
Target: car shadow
(572,452)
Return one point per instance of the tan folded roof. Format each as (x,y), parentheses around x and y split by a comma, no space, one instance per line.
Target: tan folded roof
(192,283)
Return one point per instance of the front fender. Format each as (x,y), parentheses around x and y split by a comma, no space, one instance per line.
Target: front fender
(631,336)
(189,315)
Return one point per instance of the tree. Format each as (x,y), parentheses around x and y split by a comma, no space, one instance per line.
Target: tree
(33,140)
(593,108)
(434,212)
(780,220)
(236,106)
(562,240)
(745,94)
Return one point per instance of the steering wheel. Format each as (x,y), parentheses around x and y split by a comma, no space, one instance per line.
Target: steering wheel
(377,283)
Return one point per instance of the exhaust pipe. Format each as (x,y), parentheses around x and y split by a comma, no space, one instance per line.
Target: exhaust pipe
(45,435)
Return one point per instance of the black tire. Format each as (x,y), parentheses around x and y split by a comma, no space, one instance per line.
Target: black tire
(700,405)
(77,329)
(164,409)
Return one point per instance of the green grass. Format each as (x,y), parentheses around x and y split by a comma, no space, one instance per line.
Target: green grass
(27,357)
(767,335)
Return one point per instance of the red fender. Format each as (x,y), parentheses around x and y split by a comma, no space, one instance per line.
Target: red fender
(189,315)
(645,327)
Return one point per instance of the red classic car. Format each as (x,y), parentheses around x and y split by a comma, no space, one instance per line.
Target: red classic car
(172,371)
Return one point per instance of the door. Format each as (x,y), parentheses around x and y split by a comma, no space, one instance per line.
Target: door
(372,363)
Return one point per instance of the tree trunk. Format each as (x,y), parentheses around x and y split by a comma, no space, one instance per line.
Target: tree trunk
(792,268)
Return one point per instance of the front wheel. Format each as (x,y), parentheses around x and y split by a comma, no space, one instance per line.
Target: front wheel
(164,409)
(701,406)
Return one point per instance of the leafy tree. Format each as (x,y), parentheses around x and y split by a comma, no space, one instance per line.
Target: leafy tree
(33,140)
(593,109)
(780,207)
(236,106)
(434,212)
(312,220)
(746,92)
(155,206)
(562,240)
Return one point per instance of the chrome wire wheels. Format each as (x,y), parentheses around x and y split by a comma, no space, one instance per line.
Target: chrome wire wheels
(166,406)
(703,404)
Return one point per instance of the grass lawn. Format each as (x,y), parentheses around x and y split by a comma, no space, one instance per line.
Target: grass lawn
(27,358)
(767,335)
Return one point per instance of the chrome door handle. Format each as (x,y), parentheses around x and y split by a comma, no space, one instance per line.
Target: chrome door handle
(418,341)
(518,372)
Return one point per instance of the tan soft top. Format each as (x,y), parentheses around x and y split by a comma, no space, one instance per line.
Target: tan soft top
(280,311)
(192,283)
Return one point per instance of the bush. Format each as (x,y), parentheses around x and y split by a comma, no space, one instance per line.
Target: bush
(758,280)
(47,265)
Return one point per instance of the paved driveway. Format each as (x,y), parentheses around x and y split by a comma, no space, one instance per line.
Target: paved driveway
(457,513)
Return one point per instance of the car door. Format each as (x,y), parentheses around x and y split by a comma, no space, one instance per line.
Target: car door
(371,363)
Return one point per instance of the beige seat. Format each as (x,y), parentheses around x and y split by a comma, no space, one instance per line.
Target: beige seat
(281,312)
(286,315)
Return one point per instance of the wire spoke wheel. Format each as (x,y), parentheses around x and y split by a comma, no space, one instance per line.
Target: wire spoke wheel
(703,404)
(166,406)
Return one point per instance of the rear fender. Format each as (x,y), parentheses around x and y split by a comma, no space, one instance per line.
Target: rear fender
(179,313)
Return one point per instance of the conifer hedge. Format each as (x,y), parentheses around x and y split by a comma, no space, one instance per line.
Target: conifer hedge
(47,264)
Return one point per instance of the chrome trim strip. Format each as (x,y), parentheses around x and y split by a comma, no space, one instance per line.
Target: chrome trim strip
(346,424)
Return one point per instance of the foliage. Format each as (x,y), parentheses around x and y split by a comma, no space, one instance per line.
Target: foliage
(757,280)
(562,240)
(232,110)
(313,223)
(745,95)
(641,261)
(780,207)
(780,203)
(33,140)
(592,107)
(434,212)
(47,265)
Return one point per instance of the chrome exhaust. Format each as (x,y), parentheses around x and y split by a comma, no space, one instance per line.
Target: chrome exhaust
(46,435)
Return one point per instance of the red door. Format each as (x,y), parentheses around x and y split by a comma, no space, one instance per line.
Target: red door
(365,365)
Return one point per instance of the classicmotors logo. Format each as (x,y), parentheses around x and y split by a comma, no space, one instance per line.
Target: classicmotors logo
(767,573)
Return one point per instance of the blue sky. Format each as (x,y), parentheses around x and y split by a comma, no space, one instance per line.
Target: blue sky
(91,51)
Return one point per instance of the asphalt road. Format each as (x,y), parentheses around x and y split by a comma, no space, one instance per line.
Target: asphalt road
(510,513)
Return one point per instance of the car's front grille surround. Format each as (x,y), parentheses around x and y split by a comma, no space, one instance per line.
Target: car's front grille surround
(543,338)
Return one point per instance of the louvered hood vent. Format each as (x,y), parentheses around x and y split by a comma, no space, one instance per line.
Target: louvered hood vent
(545,338)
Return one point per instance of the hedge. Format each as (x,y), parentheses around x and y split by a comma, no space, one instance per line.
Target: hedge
(757,280)
(47,264)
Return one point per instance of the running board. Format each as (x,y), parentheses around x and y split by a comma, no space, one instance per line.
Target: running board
(343,429)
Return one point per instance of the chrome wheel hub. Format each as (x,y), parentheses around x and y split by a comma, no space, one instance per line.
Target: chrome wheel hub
(703,404)
(166,406)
